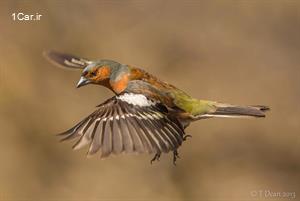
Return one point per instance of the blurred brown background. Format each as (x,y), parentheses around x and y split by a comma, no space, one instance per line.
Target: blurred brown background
(243,52)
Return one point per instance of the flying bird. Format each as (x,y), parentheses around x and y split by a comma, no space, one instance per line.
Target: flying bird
(146,115)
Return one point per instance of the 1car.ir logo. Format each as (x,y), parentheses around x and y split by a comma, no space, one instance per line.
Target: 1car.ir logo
(26,17)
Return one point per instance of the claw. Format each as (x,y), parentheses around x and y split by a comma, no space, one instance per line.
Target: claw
(175,156)
(156,157)
(186,136)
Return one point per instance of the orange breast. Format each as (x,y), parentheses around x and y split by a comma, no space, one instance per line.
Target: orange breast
(120,85)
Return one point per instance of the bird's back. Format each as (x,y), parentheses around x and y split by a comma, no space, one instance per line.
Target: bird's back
(183,104)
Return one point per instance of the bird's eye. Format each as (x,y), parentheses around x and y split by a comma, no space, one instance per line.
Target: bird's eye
(93,73)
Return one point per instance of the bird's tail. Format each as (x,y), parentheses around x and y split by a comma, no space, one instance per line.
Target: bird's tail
(235,111)
(200,109)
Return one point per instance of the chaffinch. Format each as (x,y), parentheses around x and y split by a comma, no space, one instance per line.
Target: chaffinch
(146,115)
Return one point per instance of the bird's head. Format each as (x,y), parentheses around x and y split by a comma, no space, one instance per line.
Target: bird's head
(98,72)
(108,73)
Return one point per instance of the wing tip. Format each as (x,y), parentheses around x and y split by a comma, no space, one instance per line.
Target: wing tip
(64,60)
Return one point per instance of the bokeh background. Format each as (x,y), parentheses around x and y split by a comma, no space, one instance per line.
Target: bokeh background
(243,52)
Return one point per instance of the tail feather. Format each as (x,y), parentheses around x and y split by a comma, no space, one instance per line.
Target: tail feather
(252,111)
(235,111)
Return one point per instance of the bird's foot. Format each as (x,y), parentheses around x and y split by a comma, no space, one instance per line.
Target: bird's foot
(156,157)
(186,136)
(175,156)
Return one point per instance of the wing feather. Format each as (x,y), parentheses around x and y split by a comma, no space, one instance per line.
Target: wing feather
(86,137)
(96,143)
(138,145)
(119,126)
(159,133)
(98,133)
(163,125)
(66,60)
(116,133)
(126,136)
(107,137)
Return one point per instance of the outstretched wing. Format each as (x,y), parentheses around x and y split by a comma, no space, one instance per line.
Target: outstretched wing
(127,123)
(66,60)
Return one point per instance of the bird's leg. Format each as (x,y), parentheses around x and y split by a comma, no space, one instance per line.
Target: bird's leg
(175,156)
(186,136)
(156,157)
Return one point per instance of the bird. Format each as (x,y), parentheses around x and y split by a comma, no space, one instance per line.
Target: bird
(145,115)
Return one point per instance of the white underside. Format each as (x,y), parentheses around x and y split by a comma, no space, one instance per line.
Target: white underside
(136,99)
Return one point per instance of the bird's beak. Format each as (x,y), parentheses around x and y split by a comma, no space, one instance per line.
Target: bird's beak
(83,81)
